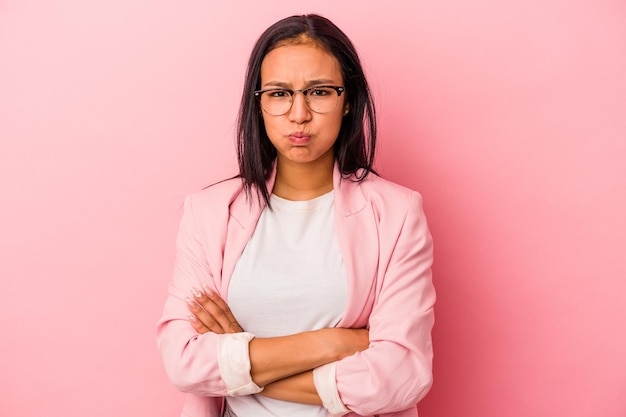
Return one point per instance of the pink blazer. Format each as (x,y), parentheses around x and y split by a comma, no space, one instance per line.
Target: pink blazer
(387,251)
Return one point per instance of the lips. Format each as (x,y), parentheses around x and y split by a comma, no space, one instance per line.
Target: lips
(299,138)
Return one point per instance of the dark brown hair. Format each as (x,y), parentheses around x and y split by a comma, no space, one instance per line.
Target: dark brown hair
(356,143)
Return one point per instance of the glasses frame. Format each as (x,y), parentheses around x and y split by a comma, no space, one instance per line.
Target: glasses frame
(304,91)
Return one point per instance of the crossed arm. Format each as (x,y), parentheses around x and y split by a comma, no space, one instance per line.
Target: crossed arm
(396,361)
(282,365)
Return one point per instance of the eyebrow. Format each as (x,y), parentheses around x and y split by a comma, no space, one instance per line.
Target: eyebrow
(280,84)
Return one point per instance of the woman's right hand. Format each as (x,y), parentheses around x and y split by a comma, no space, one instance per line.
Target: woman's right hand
(276,358)
(209,313)
(345,342)
(300,387)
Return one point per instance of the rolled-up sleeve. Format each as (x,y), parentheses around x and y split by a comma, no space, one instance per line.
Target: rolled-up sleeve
(325,383)
(234,360)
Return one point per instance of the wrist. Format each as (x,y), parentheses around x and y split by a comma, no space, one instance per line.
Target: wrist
(329,344)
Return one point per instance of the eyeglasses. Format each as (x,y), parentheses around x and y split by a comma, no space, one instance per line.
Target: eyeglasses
(320,99)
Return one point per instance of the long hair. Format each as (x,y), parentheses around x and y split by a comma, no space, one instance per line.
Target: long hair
(356,143)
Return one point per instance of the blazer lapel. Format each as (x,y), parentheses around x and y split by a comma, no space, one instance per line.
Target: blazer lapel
(243,216)
(357,235)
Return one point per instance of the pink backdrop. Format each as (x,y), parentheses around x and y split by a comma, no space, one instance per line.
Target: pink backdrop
(508,116)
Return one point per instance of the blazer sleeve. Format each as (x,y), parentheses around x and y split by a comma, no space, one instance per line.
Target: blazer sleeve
(395,373)
(202,364)
(190,359)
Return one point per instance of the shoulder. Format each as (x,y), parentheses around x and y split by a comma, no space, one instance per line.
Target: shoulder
(379,190)
(395,206)
(219,194)
(388,201)
(399,211)
(206,212)
(211,205)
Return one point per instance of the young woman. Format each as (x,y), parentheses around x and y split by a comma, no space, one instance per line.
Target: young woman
(302,287)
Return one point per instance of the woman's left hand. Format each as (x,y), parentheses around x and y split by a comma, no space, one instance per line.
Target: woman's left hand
(209,313)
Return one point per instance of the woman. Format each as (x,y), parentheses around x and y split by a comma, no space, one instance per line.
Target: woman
(302,287)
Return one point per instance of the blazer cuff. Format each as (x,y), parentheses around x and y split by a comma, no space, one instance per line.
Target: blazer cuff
(233,357)
(326,386)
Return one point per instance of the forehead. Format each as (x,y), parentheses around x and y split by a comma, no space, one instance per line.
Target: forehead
(297,65)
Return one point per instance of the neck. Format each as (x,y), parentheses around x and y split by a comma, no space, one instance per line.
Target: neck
(297,181)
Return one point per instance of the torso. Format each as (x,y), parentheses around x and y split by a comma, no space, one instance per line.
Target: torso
(290,278)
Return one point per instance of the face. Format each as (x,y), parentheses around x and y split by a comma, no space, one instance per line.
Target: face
(301,135)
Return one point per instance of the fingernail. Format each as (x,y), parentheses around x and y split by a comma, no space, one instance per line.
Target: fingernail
(191,303)
(192,318)
(196,293)
(207,290)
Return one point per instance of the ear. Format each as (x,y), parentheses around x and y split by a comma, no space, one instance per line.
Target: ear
(346,109)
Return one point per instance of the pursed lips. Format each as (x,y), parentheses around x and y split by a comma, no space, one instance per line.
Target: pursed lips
(299,138)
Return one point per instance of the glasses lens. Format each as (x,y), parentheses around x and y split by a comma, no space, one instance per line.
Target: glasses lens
(276,102)
(319,99)
(322,99)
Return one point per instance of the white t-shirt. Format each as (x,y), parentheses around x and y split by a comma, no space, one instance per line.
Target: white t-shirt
(290,278)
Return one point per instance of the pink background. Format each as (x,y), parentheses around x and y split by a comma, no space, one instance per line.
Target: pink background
(509,116)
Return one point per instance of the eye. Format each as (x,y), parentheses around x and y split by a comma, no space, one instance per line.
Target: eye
(319,92)
(277,93)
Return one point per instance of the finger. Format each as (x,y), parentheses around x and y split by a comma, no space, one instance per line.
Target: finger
(217,309)
(197,325)
(230,322)
(204,317)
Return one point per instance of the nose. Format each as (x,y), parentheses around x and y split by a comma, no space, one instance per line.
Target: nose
(299,111)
